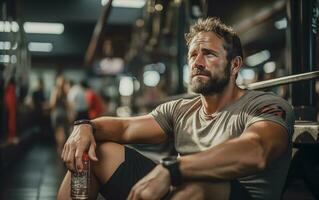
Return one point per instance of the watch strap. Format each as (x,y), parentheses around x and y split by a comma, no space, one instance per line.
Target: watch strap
(85,121)
(174,171)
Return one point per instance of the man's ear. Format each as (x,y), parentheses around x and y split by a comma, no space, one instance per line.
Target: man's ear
(236,63)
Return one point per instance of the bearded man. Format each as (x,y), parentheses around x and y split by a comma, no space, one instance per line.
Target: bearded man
(231,143)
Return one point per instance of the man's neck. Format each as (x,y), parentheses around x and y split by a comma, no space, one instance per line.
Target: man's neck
(214,103)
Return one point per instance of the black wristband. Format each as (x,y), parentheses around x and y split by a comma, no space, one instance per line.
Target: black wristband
(172,164)
(85,121)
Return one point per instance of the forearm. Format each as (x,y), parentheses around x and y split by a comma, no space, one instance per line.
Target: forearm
(140,129)
(230,160)
(109,129)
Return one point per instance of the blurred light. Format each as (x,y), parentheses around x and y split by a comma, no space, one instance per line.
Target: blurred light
(14,26)
(123,111)
(239,80)
(269,67)
(158,7)
(13,59)
(6,26)
(258,58)
(139,22)
(5,45)
(40,47)
(43,28)
(125,3)
(111,65)
(248,74)
(159,67)
(4,58)
(137,85)
(15,45)
(186,74)
(126,87)
(151,78)
(281,24)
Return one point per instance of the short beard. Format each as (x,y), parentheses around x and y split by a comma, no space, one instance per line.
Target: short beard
(214,85)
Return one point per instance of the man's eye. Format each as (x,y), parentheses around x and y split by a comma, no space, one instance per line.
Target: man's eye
(193,55)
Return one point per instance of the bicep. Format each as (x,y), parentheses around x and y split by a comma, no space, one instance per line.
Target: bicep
(143,129)
(272,137)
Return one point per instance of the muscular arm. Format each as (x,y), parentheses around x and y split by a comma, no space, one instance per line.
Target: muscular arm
(142,129)
(260,144)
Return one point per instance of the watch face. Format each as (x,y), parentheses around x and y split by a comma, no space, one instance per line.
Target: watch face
(169,160)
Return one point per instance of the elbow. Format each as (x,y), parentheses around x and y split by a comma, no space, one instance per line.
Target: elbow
(261,164)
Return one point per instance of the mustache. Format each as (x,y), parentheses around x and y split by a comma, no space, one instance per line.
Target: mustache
(200,71)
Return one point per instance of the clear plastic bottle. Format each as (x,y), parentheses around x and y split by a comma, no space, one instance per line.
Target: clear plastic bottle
(80,181)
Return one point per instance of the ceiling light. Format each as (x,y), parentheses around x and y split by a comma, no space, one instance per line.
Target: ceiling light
(248,74)
(45,28)
(158,7)
(126,86)
(281,24)
(125,3)
(269,67)
(151,78)
(258,58)
(5,45)
(40,47)
(6,26)
(4,58)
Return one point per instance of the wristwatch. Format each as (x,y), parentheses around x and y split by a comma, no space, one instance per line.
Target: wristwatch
(85,121)
(172,164)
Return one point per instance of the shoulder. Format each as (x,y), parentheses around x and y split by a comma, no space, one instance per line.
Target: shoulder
(184,103)
(260,97)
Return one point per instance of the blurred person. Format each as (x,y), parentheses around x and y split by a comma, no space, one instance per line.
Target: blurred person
(10,101)
(77,100)
(232,143)
(94,100)
(60,110)
(40,107)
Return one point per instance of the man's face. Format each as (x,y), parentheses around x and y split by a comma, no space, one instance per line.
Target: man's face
(210,70)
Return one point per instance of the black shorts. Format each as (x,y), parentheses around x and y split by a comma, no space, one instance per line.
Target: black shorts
(135,167)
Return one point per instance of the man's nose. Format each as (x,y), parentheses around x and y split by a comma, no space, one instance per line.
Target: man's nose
(199,61)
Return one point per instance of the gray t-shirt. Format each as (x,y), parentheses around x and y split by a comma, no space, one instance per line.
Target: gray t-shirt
(195,131)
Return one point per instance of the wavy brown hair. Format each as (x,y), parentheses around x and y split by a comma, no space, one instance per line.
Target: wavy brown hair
(213,24)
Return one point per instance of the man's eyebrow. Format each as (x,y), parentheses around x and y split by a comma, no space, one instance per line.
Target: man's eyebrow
(210,51)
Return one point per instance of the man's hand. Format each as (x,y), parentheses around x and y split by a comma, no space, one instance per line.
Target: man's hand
(153,186)
(80,140)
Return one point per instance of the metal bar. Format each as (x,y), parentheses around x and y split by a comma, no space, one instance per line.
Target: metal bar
(252,86)
(97,36)
(282,80)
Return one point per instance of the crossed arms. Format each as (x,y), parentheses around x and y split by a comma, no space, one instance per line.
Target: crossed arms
(259,145)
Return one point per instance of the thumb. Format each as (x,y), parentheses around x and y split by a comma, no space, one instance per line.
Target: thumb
(92,153)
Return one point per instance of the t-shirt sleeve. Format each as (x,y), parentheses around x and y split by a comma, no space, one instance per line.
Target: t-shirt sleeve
(271,108)
(163,114)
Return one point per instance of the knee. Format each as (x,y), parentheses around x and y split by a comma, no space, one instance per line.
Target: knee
(110,155)
(109,148)
(110,151)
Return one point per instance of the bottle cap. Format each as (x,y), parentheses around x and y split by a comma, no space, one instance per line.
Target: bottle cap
(85,156)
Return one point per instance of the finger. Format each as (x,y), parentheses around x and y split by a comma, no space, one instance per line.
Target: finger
(63,152)
(132,192)
(137,191)
(70,158)
(69,161)
(78,158)
(92,153)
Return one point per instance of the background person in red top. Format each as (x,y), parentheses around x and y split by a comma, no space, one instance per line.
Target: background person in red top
(94,100)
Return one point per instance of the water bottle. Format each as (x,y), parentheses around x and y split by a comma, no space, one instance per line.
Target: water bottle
(80,181)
